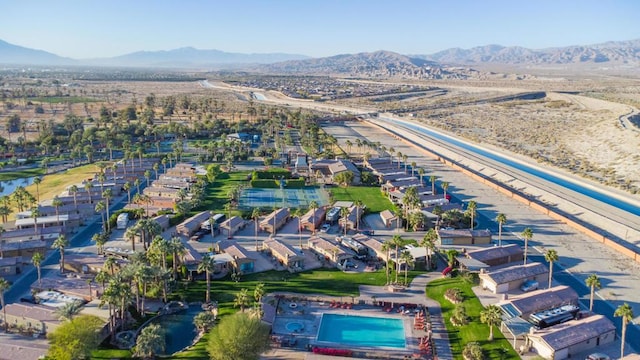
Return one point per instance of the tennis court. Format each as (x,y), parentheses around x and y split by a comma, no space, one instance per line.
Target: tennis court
(294,198)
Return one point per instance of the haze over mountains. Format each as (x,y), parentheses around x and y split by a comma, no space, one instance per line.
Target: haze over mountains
(377,64)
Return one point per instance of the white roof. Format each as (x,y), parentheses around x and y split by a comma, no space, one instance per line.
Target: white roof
(42,220)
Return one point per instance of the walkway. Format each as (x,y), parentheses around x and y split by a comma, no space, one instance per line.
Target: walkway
(415,294)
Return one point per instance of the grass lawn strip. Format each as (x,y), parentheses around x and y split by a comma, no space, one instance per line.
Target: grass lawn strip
(371,196)
(459,336)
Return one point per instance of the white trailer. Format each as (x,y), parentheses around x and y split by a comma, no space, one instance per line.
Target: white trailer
(123,221)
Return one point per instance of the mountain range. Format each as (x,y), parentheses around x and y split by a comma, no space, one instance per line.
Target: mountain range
(376,64)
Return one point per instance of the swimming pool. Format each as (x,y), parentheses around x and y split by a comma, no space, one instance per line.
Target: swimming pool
(362,331)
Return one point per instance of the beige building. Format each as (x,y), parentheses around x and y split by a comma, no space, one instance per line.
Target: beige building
(313,219)
(329,249)
(41,319)
(510,278)
(233,225)
(564,340)
(192,224)
(285,254)
(464,237)
(275,220)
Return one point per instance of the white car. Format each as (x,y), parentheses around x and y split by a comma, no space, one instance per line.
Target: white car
(325,228)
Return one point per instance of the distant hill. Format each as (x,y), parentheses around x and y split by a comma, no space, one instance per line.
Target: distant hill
(379,64)
(190,57)
(14,54)
(614,52)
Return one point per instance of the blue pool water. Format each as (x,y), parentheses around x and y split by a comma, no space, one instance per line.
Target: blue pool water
(362,331)
(178,329)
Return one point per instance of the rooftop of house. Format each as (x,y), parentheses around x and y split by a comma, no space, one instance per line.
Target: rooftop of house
(313,215)
(463,233)
(517,272)
(283,249)
(32,311)
(232,222)
(327,246)
(387,215)
(542,299)
(279,214)
(495,252)
(573,332)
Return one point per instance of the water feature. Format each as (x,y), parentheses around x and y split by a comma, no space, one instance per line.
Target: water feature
(10,186)
(179,329)
(294,326)
(362,331)
(589,191)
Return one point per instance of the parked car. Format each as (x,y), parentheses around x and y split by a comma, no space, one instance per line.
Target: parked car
(367,232)
(325,228)
(529,285)
(598,356)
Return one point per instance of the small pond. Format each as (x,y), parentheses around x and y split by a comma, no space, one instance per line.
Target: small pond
(179,329)
(10,186)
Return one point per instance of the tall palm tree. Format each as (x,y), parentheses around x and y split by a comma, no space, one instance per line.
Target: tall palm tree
(407,259)
(242,299)
(37,259)
(429,243)
(445,187)
(255,215)
(626,313)
(492,316)
(593,282)
(73,190)
(100,207)
(107,195)
(127,187)
(501,219)
(35,214)
(472,206)
(207,266)
(60,244)
(397,241)
(344,213)
(413,168)
(432,178)
(551,256)
(421,174)
(313,205)
(87,187)
(4,286)
(130,234)
(67,311)
(56,202)
(100,239)
(386,247)
(177,248)
(37,180)
(527,234)
(298,213)
(358,204)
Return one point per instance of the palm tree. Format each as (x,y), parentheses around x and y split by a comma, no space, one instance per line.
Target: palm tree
(37,259)
(358,204)
(73,190)
(4,286)
(429,243)
(207,266)
(56,202)
(397,241)
(386,247)
(204,321)
(35,213)
(242,299)
(127,187)
(297,213)
(37,180)
(130,234)
(471,209)
(150,342)
(313,205)
(87,187)
(344,212)
(445,186)
(100,207)
(593,282)
(68,310)
(432,178)
(407,259)
(258,292)
(176,247)
(527,234)
(501,219)
(255,215)
(60,244)
(413,168)
(107,195)
(100,239)
(491,315)
(551,256)
(421,174)
(626,313)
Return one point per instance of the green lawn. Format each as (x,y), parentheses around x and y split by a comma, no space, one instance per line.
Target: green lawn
(459,336)
(13,175)
(371,196)
(216,192)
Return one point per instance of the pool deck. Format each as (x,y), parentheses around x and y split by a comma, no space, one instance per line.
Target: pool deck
(308,311)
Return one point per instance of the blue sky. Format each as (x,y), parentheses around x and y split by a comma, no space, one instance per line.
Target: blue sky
(90,28)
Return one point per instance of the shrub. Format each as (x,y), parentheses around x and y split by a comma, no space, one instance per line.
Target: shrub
(473,351)
(459,316)
(454,295)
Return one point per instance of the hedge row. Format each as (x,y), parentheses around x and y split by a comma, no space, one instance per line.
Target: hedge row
(272,174)
(274,184)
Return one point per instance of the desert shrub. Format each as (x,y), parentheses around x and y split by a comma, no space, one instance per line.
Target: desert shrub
(473,351)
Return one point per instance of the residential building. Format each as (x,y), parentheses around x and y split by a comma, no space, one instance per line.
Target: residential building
(330,250)
(528,303)
(275,220)
(40,319)
(510,278)
(497,255)
(463,237)
(192,224)
(313,219)
(285,254)
(242,260)
(233,225)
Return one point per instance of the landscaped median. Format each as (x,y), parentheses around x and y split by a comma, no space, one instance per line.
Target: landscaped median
(474,330)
